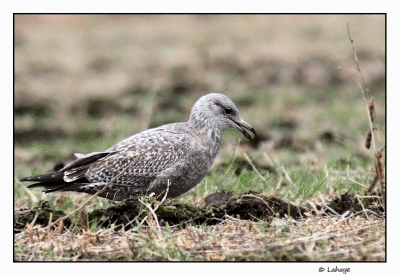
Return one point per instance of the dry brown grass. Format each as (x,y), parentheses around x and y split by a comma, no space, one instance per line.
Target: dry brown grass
(348,237)
(62,60)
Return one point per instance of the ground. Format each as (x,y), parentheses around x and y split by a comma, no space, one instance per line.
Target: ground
(296,192)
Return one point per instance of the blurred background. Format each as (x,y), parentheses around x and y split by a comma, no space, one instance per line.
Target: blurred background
(84,82)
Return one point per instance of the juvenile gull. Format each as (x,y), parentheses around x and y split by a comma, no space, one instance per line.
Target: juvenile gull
(178,155)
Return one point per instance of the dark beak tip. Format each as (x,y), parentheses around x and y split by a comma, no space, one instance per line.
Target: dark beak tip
(245,126)
(248,136)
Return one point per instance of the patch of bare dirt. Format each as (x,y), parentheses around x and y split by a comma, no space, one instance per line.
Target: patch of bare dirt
(42,214)
(249,206)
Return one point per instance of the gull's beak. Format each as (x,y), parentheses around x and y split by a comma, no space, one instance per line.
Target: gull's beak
(243,127)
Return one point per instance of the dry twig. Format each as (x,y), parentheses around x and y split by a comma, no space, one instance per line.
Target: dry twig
(261,200)
(372,121)
(153,211)
(254,168)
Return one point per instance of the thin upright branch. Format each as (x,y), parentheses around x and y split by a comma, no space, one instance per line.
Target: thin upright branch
(358,65)
(372,122)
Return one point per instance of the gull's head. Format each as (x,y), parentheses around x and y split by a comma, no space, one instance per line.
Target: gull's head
(219,111)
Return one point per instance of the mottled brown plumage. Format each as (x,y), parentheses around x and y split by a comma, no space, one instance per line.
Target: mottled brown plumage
(181,153)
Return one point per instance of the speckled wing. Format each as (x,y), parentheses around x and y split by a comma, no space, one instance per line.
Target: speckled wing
(141,157)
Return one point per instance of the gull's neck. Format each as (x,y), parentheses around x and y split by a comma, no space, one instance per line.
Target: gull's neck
(205,127)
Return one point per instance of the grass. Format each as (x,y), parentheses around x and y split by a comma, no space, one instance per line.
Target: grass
(314,154)
(181,244)
(236,177)
(321,239)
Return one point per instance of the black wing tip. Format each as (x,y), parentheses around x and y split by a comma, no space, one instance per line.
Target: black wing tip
(36,185)
(30,178)
(52,176)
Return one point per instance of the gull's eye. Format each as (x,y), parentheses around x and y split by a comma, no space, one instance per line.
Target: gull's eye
(228,110)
